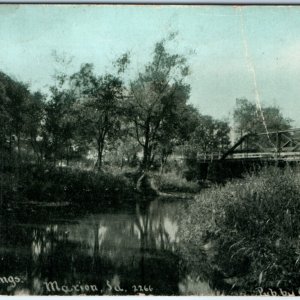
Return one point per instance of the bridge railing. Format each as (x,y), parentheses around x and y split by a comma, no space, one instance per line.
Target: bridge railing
(209,156)
(273,145)
(248,155)
(251,155)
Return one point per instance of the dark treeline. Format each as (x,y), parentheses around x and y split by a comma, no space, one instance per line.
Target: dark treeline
(87,115)
(106,122)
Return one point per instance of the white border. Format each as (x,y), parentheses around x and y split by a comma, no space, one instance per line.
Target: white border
(149,2)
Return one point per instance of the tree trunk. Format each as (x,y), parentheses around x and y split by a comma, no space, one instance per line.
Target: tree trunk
(145,162)
(146,148)
(36,150)
(19,147)
(100,148)
(164,158)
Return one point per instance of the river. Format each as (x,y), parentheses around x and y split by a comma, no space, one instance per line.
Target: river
(121,250)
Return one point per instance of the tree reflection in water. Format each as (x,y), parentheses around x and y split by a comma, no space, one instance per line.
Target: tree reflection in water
(126,247)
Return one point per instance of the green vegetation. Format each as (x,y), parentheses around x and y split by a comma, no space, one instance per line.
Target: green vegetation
(96,122)
(174,182)
(249,119)
(45,183)
(253,224)
(113,120)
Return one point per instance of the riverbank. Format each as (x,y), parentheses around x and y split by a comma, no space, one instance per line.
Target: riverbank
(254,224)
(48,184)
(175,182)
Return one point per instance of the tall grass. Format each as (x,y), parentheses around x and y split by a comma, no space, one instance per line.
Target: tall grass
(173,181)
(249,230)
(45,183)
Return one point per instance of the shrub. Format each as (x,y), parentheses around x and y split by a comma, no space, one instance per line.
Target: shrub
(252,227)
(173,182)
(45,183)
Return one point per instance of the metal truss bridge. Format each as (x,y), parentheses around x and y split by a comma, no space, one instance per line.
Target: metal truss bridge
(274,145)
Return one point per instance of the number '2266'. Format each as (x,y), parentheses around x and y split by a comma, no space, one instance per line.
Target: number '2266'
(140,288)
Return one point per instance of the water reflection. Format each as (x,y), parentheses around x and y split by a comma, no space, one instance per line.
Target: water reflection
(98,253)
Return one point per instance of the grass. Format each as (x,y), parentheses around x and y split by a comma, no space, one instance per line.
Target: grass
(247,231)
(170,181)
(48,184)
(173,181)
(45,183)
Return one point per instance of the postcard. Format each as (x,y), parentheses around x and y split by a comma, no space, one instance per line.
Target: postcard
(149,150)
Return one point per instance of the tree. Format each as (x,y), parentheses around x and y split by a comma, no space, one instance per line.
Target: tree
(221,136)
(59,128)
(210,136)
(178,134)
(4,116)
(34,117)
(249,119)
(98,110)
(123,150)
(14,97)
(156,99)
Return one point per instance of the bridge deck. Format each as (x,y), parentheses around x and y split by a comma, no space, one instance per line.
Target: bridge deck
(288,156)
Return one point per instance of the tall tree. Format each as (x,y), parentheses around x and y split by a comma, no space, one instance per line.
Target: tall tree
(178,133)
(99,107)
(4,116)
(210,136)
(35,116)
(221,135)
(156,98)
(59,129)
(249,119)
(14,99)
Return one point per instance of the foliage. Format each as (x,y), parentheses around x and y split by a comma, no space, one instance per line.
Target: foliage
(116,121)
(14,98)
(209,136)
(92,116)
(122,152)
(99,107)
(58,131)
(174,182)
(45,183)
(250,119)
(254,224)
(157,98)
(33,119)
(182,134)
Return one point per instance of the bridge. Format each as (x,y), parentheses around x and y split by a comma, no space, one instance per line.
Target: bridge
(272,146)
(249,153)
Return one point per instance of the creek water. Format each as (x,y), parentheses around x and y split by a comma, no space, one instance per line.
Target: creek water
(124,250)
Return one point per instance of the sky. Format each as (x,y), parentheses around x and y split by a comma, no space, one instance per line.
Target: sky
(234,52)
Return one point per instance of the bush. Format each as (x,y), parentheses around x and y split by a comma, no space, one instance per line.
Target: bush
(251,229)
(173,182)
(45,183)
